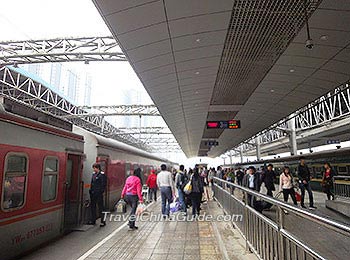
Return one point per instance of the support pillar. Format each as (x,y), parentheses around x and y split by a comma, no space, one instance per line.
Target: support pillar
(230,157)
(292,137)
(241,153)
(258,149)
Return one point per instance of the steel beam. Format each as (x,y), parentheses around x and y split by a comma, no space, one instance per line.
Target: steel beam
(86,49)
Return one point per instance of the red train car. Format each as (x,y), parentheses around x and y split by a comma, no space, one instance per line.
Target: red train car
(117,160)
(40,173)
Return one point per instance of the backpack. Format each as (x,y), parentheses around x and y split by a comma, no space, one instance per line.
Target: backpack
(183,181)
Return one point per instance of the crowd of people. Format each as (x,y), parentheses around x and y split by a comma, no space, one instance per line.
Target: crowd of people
(193,187)
(253,178)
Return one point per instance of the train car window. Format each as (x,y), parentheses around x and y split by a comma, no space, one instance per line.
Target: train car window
(15,178)
(318,169)
(342,169)
(50,177)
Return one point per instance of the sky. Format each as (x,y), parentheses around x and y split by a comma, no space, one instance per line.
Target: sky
(44,19)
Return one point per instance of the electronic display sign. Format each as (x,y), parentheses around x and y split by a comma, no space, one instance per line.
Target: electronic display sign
(231,124)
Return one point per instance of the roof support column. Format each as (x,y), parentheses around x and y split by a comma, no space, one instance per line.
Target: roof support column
(292,137)
(230,157)
(258,149)
(241,152)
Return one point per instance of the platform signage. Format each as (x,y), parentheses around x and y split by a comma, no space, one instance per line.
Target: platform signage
(211,143)
(333,142)
(230,124)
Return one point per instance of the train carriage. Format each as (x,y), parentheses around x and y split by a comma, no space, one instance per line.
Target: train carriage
(339,160)
(40,173)
(117,160)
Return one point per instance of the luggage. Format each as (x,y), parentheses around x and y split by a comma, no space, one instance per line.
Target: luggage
(298,196)
(120,207)
(175,206)
(140,209)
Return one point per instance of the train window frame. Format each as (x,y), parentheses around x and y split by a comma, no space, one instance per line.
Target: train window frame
(57,173)
(14,174)
(346,169)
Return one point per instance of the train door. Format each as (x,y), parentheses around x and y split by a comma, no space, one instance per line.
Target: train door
(103,161)
(73,189)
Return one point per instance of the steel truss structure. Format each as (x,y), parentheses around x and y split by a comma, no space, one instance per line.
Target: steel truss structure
(86,49)
(146,130)
(335,105)
(120,110)
(25,90)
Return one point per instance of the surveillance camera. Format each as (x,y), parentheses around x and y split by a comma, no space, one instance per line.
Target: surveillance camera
(309,44)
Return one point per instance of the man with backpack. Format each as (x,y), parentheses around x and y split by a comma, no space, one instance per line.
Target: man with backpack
(181,180)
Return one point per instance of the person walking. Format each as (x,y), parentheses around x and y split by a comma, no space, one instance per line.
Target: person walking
(252,181)
(98,187)
(268,178)
(196,194)
(167,189)
(327,181)
(286,185)
(152,185)
(181,180)
(304,183)
(132,192)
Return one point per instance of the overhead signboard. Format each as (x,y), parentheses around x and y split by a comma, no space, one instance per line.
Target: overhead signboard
(230,124)
(333,142)
(211,143)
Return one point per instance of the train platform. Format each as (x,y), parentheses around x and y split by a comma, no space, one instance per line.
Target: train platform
(164,239)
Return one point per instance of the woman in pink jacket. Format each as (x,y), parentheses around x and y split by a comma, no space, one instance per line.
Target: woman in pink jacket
(132,194)
(286,185)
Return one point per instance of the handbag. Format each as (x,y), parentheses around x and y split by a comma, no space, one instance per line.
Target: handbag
(120,207)
(140,209)
(188,187)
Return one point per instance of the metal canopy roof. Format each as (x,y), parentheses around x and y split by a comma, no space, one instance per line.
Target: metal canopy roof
(216,60)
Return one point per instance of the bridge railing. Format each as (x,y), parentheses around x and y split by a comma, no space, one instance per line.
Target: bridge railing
(341,186)
(278,234)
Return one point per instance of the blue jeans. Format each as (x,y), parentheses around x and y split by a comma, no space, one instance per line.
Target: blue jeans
(132,200)
(167,198)
(182,199)
(307,187)
(152,191)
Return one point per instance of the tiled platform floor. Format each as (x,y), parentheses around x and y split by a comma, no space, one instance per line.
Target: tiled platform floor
(167,240)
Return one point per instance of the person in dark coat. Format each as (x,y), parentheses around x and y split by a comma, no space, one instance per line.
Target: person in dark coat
(252,181)
(268,178)
(304,183)
(197,190)
(239,176)
(98,187)
(327,181)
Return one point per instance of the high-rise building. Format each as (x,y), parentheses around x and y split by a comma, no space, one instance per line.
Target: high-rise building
(87,88)
(72,86)
(34,69)
(55,76)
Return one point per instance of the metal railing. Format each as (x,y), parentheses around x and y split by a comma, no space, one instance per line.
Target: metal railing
(341,186)
(276,236)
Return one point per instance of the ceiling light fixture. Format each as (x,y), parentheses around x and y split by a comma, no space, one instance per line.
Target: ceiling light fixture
(324,37)
(291,70)
(197,72)
(198,40)
(272,90)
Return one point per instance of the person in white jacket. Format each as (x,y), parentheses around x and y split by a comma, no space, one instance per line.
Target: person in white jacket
(286,185)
